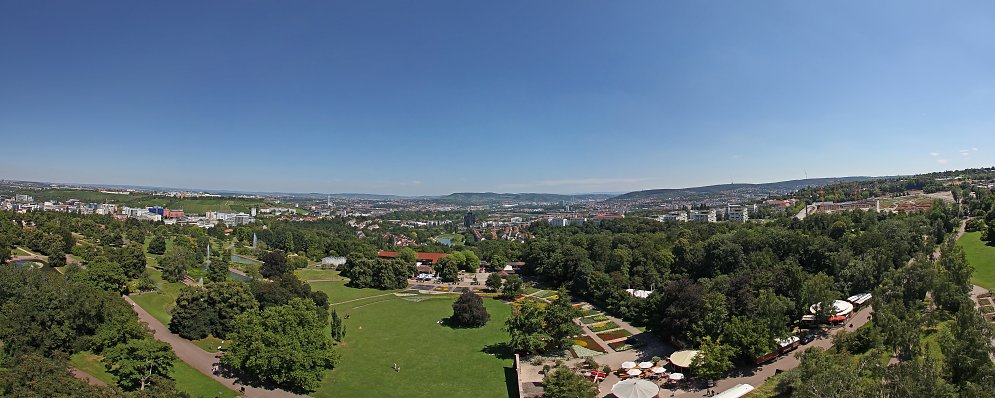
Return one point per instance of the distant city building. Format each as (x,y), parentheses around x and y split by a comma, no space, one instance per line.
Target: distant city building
(703,216)
(230,219)
(469,219)
(23,198)
(737,213)
(679,216)
(157,210)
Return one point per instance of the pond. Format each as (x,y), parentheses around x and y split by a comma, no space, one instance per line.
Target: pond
(238,277)
(244,260)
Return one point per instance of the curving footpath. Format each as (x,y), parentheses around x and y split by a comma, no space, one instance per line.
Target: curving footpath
(199,359)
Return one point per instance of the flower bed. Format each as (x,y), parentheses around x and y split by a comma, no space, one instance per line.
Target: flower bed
(987,309)
(544,294)
(588,343)
(589,312)
(601,327)
(614,335)
(594,319)
(620,346)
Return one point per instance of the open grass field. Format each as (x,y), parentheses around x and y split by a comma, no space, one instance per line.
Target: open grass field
(188,379)
(315,274)
(338,292)
(159,303)
(982,258)
(435,360)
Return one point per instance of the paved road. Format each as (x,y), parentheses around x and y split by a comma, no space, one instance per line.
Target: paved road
(200,359)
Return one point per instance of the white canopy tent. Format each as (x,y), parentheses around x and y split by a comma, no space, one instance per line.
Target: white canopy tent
(634,372)
(676,376)
(635,388)
(628,365)
(736,391)
(683,359)
(646,365)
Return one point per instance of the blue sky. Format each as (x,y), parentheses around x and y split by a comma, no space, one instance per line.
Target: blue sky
(433,97)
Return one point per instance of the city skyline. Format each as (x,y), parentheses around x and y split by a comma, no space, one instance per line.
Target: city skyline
(431,98)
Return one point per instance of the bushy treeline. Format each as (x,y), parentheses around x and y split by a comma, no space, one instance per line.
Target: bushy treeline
(45,318)
(741,284)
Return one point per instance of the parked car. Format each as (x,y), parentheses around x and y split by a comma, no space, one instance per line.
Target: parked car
(807,338)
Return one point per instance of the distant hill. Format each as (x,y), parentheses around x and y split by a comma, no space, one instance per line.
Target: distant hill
(770,188)
(491,197)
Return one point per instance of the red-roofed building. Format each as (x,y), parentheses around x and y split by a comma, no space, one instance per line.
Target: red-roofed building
(430,258)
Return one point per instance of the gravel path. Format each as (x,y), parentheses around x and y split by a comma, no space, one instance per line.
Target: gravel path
(202,360)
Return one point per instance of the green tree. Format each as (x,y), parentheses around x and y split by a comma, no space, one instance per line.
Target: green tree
(714,360)
(408,255)
(157,245)
(57,259)
(527,327)
(338,327)
(175,262)
(559,318)
(493,281)
(285,345)
(446,269)
(471,263)
(274,263)
(469,311)
(749,337)
(136,361)
(565,383)
(36,376)
(210,310)
(513,286)
(967,348)
(104,275)
(132,259)
(217,271)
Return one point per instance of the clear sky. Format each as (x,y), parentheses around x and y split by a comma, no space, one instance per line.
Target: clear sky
(433,97)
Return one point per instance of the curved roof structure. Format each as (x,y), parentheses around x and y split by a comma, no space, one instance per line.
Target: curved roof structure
(683,359)
(842,308)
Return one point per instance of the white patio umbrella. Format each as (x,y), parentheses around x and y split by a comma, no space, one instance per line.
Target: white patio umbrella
(658,370)
(628,365)
(635,388)
(646,365)
(634,372)
(677,376)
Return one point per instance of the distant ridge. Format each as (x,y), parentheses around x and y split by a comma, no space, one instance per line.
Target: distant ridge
(769,188)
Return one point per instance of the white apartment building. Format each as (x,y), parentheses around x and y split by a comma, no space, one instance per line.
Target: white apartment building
(737,213)
(703,216)
(679,216)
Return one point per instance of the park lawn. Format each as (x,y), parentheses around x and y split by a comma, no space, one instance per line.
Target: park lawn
(188,379)
(209,343)
(312,274)
(982,258)
(197,384)
(91,363)
(159,302)
(20,251)
(338,292)
(435,360)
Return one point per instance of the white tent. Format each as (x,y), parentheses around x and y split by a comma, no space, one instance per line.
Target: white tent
(646,365)
(634,372)
(683,359)
(676,376)
(737,391)
(635,388)
(658,370)
(628,365)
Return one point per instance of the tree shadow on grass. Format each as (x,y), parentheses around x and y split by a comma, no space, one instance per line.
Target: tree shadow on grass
(499,350)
